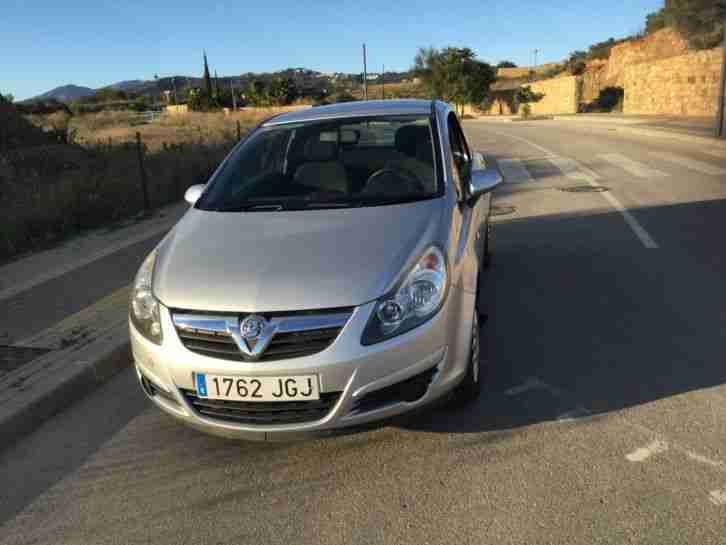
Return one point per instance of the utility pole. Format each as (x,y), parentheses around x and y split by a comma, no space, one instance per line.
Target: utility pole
(383,83)
(365,74)
(720,129)
(536,51)
(176,97)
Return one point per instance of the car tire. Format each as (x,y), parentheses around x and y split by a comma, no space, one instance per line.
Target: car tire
(470,387)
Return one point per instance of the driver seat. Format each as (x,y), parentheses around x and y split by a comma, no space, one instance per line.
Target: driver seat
(413,143)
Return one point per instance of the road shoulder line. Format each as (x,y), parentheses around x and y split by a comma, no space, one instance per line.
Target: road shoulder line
(584,173)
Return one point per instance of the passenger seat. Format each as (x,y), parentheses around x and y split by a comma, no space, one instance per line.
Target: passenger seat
(321,169)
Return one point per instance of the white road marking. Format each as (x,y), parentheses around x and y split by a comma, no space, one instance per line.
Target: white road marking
(643,453)
(573,170)
(638,229)
(531,383)
(692,164)
(528,142)
(534,383)
(577,412)
(514,171)
(635,168)
(717,497)
(590,178)
(703,460)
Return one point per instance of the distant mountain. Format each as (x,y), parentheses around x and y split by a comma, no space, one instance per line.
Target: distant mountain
(65,93)
(306,80)
(131,85)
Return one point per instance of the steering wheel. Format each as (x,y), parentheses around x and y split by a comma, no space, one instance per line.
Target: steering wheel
(375,182)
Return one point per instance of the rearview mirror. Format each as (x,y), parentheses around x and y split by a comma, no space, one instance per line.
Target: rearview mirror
(193,193)
(484,178)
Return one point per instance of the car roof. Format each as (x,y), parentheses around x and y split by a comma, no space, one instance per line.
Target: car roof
(363,108)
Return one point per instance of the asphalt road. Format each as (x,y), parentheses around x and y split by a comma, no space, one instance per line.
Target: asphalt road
(34,310)
(605,419)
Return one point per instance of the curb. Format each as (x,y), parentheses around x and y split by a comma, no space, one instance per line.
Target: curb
(683,137)
(599,120)
(517,119)
(56,380)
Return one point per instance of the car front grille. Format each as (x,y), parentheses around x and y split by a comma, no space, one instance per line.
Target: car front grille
(299,335)
(262,412)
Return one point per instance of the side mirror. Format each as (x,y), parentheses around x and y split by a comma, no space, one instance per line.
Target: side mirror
(483,178)
(193,193)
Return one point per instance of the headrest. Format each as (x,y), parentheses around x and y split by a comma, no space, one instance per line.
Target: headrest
(412,140)
(318,151)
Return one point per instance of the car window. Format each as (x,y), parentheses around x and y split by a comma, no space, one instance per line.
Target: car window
(461,158)
(342,163)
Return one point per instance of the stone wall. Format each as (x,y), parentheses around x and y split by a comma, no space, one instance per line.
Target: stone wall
(560,96)
(683,85)
(594,79)
(601,73)
(660,45)
(501,104)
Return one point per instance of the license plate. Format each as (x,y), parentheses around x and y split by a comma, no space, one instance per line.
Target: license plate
(235,388)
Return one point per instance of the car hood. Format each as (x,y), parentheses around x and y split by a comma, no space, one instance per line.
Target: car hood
(292,260)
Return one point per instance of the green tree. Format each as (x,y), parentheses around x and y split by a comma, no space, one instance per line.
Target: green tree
(506,64)
(207,79)
(282,91)
(8,97)
(525,96)
(576,62)
(257,93)
(700,21)
(454,75)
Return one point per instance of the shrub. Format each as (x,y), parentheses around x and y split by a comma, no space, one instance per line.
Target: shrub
(41,204)
(344,97)
(699,21)
(611,98)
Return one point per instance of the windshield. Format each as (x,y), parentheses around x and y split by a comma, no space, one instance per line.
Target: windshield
(329,164)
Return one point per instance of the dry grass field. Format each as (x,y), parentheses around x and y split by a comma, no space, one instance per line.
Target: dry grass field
(392,90)
(92,177)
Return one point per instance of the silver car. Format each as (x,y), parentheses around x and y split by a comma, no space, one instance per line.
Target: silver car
(326,276)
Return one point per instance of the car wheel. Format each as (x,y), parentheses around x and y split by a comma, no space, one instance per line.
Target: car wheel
(470,388)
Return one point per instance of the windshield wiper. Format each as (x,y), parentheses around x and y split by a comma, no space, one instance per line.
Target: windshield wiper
(252,208)
(392,200)
(328,204)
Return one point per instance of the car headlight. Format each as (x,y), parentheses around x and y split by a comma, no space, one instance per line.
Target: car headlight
(413,302)
(144,311)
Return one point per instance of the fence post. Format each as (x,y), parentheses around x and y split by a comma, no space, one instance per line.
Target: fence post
(239,131)
(142,172)
(4,137)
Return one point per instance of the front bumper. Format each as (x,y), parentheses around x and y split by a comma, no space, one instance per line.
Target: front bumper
(437,350)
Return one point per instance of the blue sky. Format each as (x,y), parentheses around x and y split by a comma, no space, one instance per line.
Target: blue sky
(97,42)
